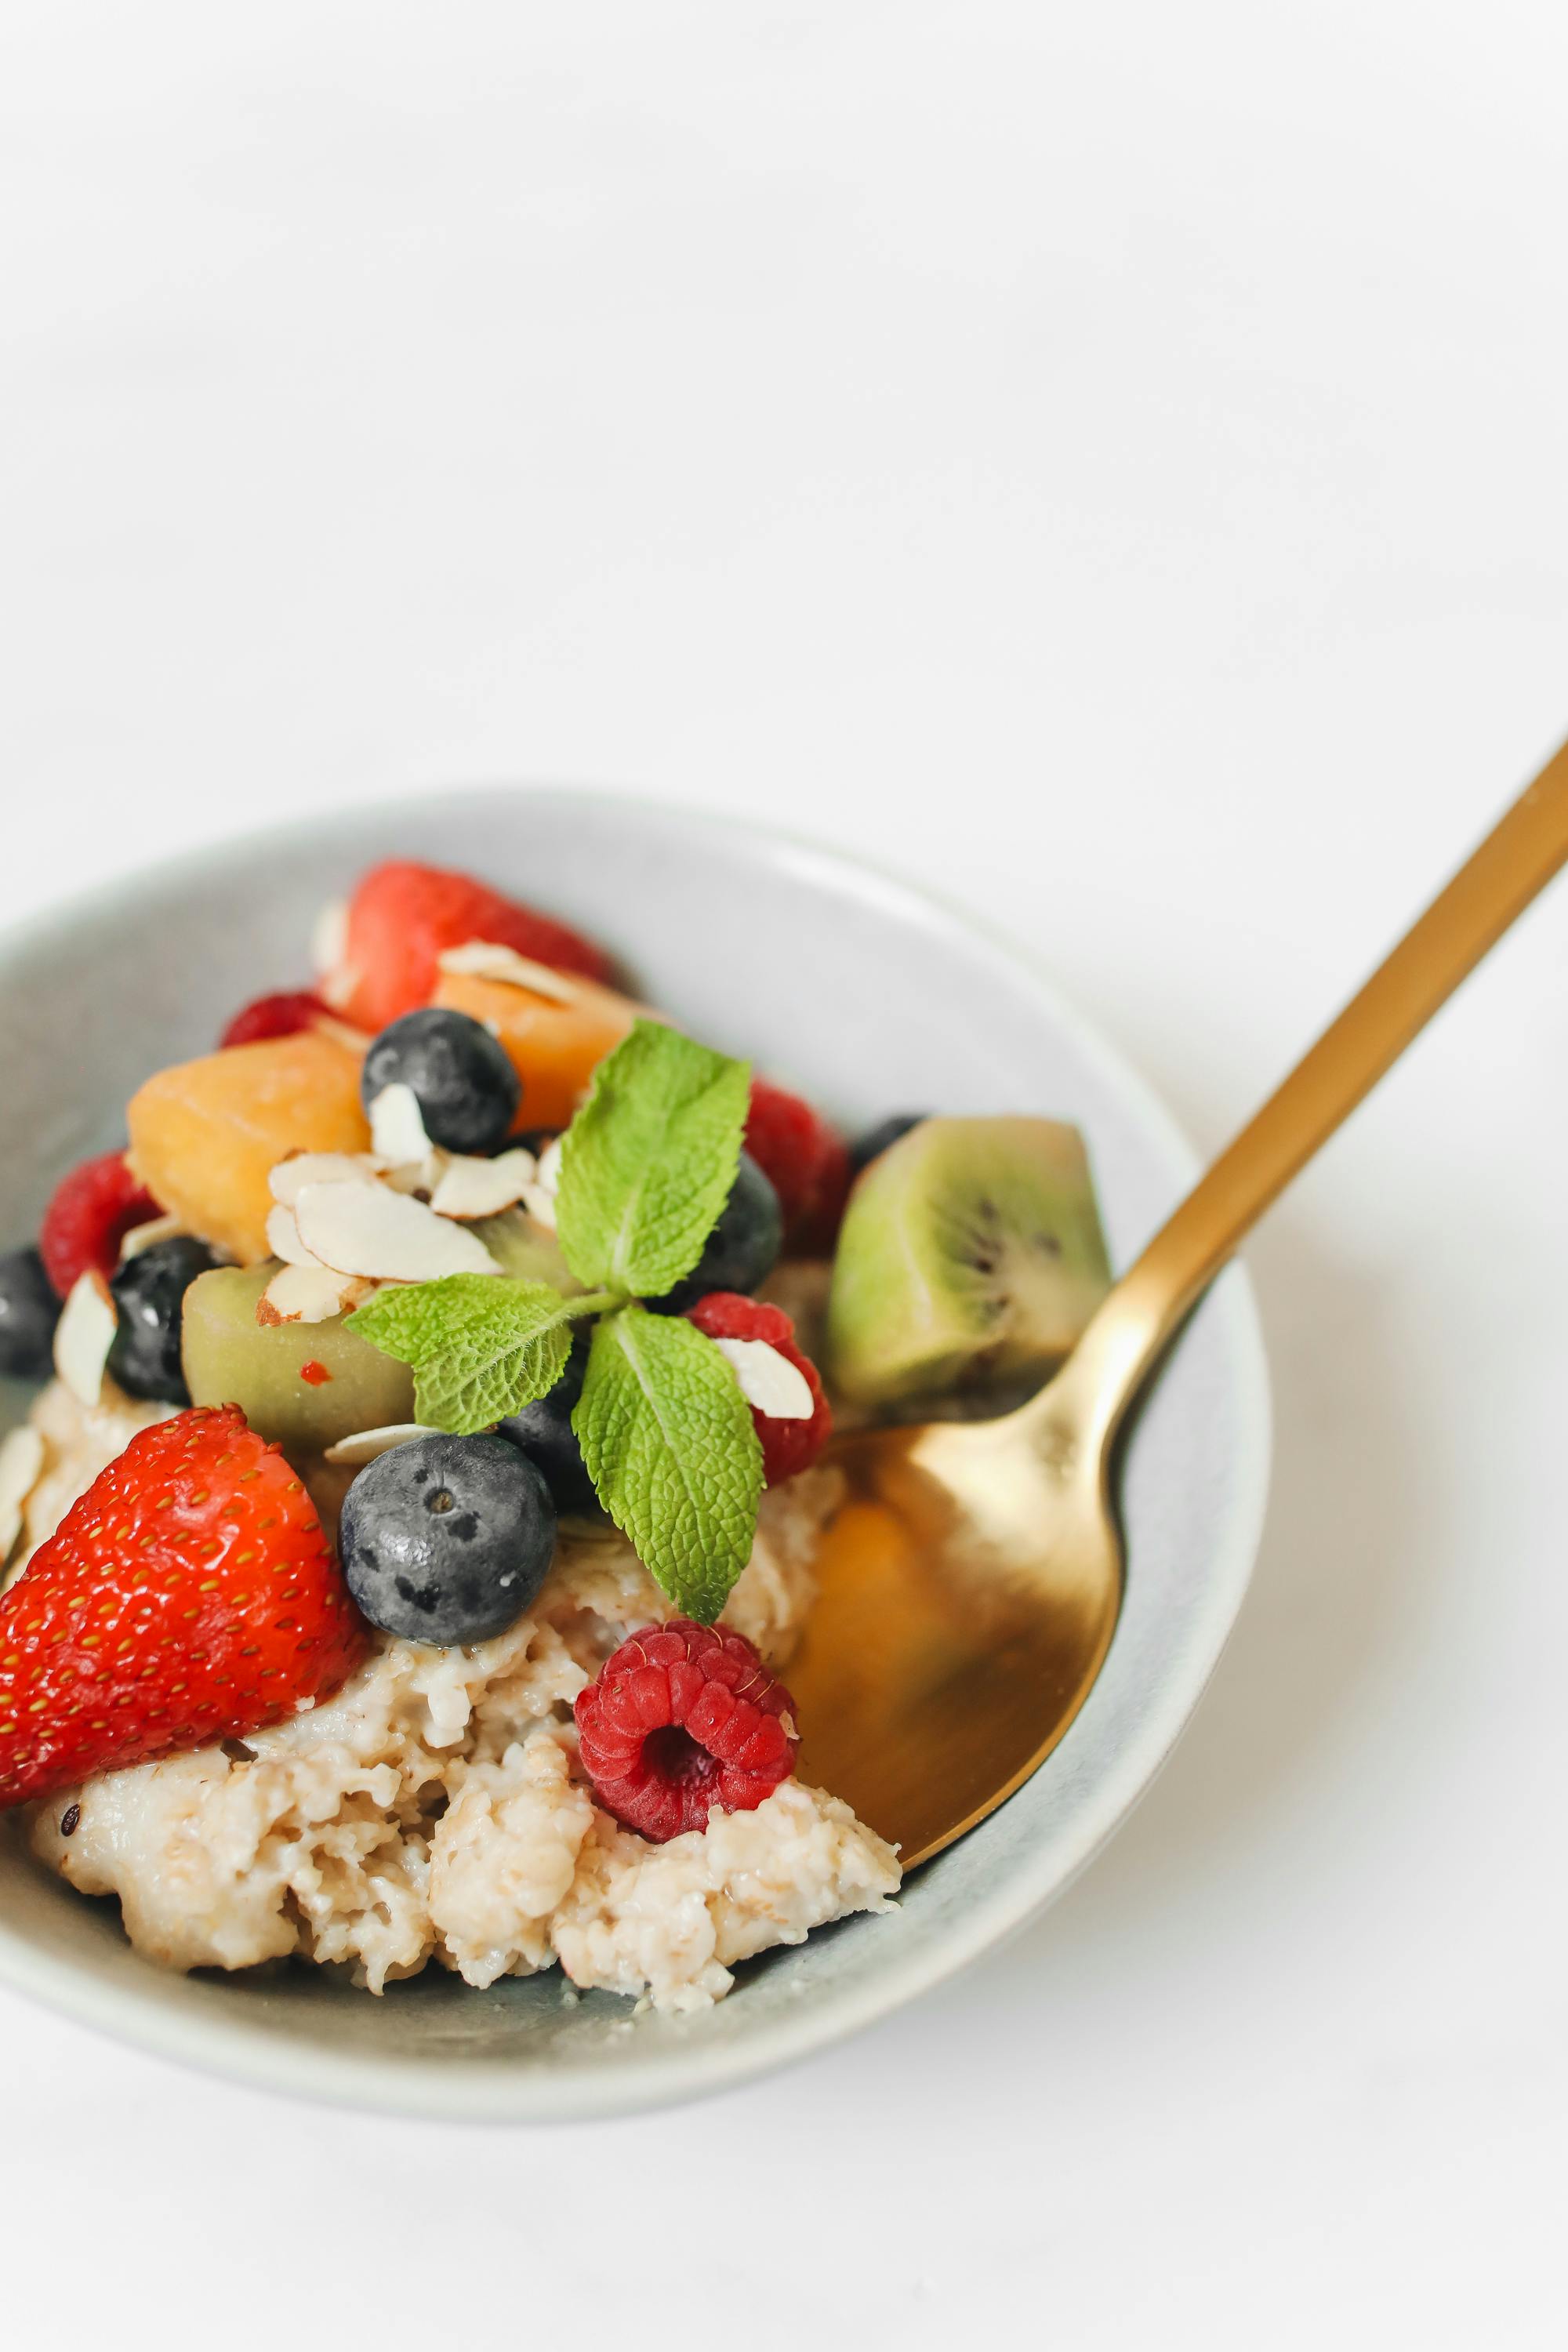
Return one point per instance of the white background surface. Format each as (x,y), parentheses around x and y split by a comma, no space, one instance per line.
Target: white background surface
(1108,462)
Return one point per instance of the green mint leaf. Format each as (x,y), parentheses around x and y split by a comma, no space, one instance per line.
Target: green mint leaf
(649,1161)
(481,1345)
(670,1443)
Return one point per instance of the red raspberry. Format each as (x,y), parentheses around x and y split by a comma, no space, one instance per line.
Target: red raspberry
(803,1159)
(684,1716)
(402,916)
(89,1215)
(788,1446)
(189,1595)
(282,1015)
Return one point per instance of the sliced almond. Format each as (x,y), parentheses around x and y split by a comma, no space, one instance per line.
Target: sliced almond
(147,1237)
(290,1176)
(485,959)
(366,1444)
(541,1205)
(397,1128)
(371,1229)
(330,937)
(779,1390)
(21,1460)
(482,1188)
(283,1238)
(84,1336)
(308,1294)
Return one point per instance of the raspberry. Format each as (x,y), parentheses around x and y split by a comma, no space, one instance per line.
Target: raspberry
(683,1718)
(282,1015)
(92,1211)
(788,1446)
(803,1159)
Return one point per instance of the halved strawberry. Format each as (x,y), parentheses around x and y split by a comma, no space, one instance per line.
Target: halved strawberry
(190,1595)
(403,915)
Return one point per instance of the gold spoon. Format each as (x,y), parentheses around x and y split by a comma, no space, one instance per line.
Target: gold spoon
(970,1584)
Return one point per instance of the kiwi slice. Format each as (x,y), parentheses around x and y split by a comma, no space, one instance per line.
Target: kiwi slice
(971,1258)
(231,1359)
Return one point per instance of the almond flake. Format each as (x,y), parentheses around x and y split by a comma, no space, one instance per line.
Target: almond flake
(366,1444)
(397,1133)
(290,1176)
(484,959)
(330,937)
(779,1390)
(482,1188)
(147,1237)
(84,1336)
(371,1229)
(21,1460)
(341,1032)
(307,1294)
(283,1238)
(549,1178)
(540,1204)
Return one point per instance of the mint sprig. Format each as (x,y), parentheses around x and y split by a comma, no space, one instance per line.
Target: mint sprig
(649,1161)
(479,1347)
(668,1438)
(670,1443)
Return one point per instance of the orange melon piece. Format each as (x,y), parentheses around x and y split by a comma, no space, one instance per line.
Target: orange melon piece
(205,1135)
(556,1041)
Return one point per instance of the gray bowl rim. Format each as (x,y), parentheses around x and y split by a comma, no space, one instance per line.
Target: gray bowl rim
(238,2053)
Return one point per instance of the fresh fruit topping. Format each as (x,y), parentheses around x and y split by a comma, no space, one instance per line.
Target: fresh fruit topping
(793,1422)
(207,1134)
(742,1248)
(647,1169)
(802,1157)
(555,1036)
(189,1595)
(971,1255)
(90,1212)
(29,1309)
(283,1014)
(266,1370)
(544,1431)
(149,1295)
(403,915)
(84,1335)
(876,1139)
(683,1718)
(446,1539)
(459,1076)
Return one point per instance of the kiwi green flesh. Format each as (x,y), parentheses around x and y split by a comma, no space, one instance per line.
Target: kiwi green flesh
(230,1358)
(971,1258)
(527,1250)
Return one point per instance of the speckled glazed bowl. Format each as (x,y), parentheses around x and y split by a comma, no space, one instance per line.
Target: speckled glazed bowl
(892,1000)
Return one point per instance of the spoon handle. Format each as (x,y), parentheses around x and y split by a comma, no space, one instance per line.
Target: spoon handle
(1495,885)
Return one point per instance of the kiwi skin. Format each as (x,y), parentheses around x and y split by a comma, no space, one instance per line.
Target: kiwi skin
(971,1258)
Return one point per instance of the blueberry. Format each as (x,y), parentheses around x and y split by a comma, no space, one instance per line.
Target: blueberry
(875,1139)
(149,1293)
(28,1313)
(543,1430)
(446,1539)
(742,1248)
(467,1089)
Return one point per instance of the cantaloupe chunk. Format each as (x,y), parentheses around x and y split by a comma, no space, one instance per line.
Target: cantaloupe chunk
(204,1134)
(555,1042)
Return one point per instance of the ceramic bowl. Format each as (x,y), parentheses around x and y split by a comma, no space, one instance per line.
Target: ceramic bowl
(872,998)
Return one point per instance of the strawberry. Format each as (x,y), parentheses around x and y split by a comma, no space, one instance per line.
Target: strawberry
(189,1595)
(401,918)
